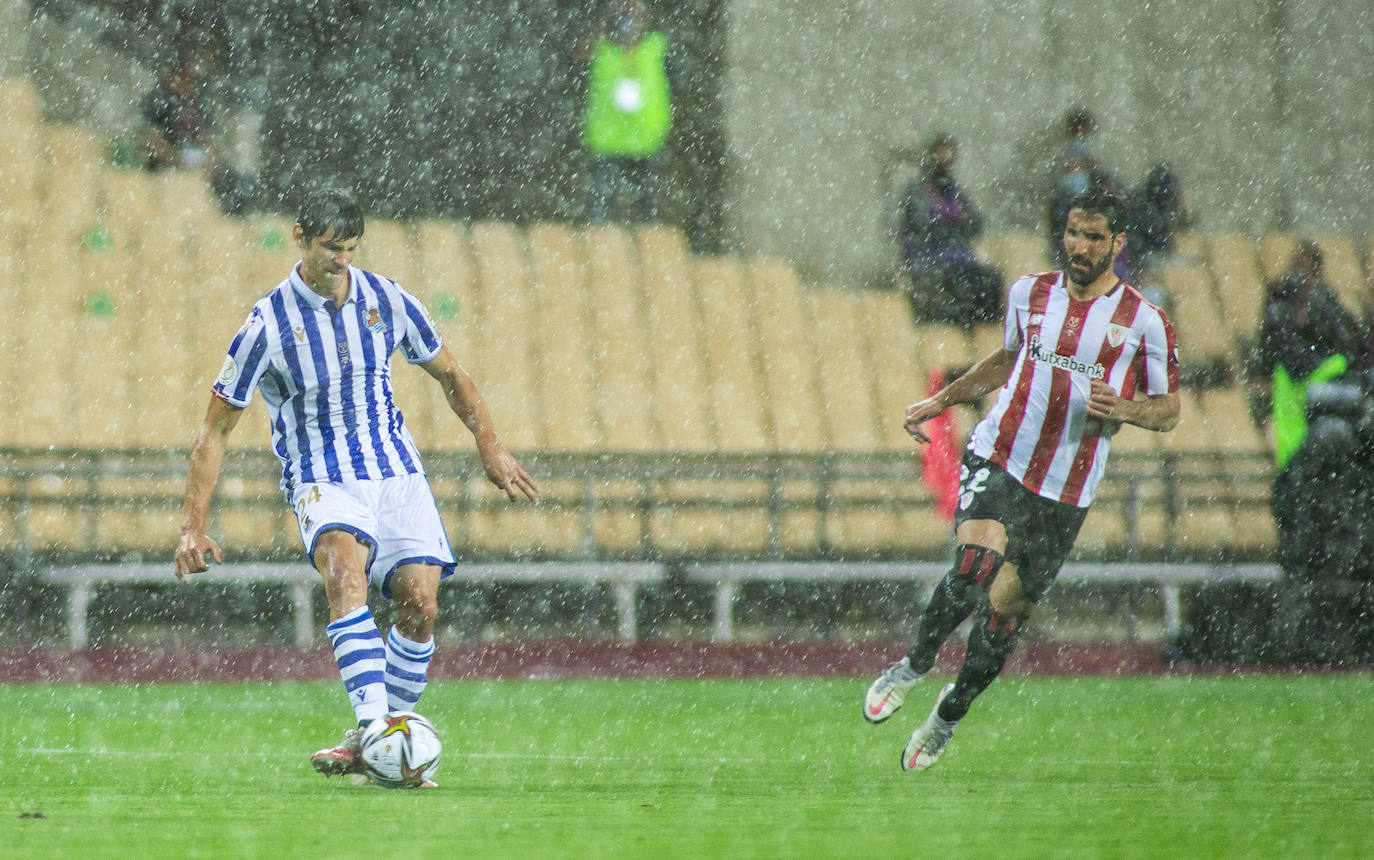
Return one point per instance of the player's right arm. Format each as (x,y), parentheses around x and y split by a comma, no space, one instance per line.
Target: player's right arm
(989,374)
(207,455)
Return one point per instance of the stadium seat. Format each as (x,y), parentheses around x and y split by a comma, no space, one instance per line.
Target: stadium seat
(187,200)
(854,524)
(1190,247)
(622,349)
(13,341)
(507,328)
(71,172)
(165,277)
(1229,416)
(674,324)
(1240,285)
(53,306)
(444,277)
(566,378)
(899,380)
(715,516)
(20,100)
(1195,311)
(21,139)
(1276,248)
(986,338)
(842,358)
(736,392)
(790,383)
(501,323)
(1015,254)
(1341,269)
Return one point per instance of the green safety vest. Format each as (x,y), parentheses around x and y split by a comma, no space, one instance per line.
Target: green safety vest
(628,107)
(1290,405)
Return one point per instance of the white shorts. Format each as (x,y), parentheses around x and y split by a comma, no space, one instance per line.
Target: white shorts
(395,517)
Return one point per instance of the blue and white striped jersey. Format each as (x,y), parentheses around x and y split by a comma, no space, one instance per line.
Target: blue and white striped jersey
(325,374)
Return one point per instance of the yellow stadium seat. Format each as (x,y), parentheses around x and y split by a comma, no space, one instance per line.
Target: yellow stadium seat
(674,326)
(735,390)
(845,372)
(1195,311)
(789,360)
(1016,253)
(1240,284)
(53,305)
(70,178)
(1341,269)
(899,378)
(566,382)
(620,342)
(1276,248)
(12,342)
(444,277)
(21,163)
(162,276)
(501,320)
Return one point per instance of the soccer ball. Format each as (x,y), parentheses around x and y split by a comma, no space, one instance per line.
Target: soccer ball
(400,750)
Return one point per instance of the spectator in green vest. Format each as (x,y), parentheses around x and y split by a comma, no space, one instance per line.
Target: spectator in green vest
(628,113)
(1307,336)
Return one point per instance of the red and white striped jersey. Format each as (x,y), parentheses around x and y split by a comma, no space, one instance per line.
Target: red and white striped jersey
(1039,430)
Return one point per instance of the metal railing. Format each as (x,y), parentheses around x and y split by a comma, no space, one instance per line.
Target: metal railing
(71,504)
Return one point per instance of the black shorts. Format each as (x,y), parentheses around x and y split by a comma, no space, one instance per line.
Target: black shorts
(1040,531)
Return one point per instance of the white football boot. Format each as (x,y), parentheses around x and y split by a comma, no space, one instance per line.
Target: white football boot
(930,738)
(886,694)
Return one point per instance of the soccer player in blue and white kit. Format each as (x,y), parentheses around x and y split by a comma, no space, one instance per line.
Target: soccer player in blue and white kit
(319,349)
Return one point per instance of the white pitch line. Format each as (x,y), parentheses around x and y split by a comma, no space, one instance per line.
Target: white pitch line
(494,756)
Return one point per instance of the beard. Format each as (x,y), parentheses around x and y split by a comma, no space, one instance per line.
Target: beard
(1091,271)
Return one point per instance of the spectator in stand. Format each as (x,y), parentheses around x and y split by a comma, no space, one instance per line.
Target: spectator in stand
(1306,336)
(1158,211)
(1076,171)
(628,112)
(939,222)
(178,133)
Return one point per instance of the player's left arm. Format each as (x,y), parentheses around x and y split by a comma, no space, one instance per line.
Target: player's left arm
(462,396)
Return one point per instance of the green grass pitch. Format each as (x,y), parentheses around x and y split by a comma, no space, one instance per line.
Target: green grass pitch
(1245,766)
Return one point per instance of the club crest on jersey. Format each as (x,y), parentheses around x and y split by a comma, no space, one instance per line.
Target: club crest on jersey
(374,321)
(229,372)
(1116,335)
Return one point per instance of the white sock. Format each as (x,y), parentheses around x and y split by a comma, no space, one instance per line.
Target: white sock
(407,669)
(361,657)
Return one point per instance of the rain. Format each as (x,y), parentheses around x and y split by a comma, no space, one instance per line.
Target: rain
(698,335)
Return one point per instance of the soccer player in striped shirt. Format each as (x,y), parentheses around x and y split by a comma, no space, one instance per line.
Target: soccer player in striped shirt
(1079,345)
(319,349)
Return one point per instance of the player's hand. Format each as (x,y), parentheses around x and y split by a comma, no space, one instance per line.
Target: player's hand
(191,554)
(1103,401)
(919,413)
(504,472)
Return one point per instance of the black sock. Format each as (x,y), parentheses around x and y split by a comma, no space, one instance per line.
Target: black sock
(990,643)
(950,603)
(975,568)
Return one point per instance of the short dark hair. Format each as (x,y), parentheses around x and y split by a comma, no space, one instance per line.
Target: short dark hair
(1104,203)
(331,208)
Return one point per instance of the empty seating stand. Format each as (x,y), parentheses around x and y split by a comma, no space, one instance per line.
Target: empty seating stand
(679,406)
